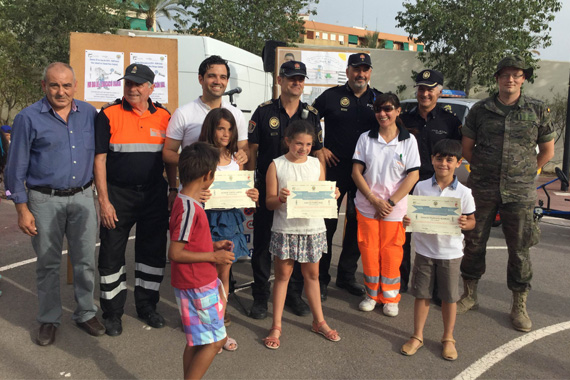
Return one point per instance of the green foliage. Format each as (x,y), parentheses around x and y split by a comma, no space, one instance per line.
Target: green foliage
(247,24)
(558,107)
(465,39)
(36,32)
(371,40)
(153,9)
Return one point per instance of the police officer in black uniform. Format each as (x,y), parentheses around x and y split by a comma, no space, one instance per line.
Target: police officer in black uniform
(429,123)
(266,131)
(348,112)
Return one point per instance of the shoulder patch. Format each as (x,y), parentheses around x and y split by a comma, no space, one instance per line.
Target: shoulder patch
(115,102)
(312,109)
(447,108)
(158,105)
(251,126)
(266,103)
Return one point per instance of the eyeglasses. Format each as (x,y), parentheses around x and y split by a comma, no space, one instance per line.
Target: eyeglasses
(386,109)
(508,76)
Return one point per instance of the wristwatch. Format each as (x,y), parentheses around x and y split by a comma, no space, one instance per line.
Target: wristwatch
(391,202)
(173,189)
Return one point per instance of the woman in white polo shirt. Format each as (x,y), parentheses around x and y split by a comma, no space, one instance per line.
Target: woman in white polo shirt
(386,166)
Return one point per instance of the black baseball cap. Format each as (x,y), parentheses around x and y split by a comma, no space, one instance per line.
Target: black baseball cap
(359,59)
(293,68)
(429,78)
(138,73)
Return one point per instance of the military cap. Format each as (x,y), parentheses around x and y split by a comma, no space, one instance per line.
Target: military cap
(517,62)
(359,59)
(138,73)
(429,78)
(293,68)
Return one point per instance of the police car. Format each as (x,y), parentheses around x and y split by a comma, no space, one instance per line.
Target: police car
(456,102)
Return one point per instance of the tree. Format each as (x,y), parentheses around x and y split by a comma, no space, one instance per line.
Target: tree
(247,24)
(465,39)
(160,8)
(36,32)
(371,41)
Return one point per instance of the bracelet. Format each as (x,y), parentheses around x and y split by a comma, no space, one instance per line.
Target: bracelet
(173,189)
(280,200)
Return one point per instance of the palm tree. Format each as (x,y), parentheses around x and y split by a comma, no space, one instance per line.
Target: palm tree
(160,8)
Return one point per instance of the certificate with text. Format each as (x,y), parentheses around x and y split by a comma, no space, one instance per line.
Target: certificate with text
(311,200)
(434,215)
(228,190)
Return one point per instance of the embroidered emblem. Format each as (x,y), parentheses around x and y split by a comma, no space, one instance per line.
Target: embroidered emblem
(344,102)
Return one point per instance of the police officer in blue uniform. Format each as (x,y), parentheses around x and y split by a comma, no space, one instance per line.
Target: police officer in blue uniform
(266,131)
(429,123)
(348,112)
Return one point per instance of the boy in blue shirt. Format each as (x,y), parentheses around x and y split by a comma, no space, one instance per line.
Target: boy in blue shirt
(439,255)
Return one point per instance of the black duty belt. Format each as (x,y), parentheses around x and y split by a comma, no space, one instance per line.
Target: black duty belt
(61,192)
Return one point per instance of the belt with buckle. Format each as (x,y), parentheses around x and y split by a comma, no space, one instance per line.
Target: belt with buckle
(63,192)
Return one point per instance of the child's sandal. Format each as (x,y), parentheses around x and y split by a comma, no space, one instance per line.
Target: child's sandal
(408,349)
(273,340)
(449,353)
(331,335)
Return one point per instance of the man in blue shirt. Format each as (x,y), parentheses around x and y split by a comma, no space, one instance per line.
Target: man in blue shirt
(49,174)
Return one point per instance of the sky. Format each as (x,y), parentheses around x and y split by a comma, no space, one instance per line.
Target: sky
(380,15)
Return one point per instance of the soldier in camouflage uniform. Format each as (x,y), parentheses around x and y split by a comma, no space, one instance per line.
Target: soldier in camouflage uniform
(499,140)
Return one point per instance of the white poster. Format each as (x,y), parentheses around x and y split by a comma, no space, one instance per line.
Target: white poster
(325,67)
(102,71)
(158,63)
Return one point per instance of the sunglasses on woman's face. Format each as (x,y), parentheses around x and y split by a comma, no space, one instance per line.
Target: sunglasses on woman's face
(386,109)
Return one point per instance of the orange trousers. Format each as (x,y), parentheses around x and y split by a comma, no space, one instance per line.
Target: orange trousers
(380,243)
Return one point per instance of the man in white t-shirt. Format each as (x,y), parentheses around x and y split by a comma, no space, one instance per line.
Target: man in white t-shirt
(186,122)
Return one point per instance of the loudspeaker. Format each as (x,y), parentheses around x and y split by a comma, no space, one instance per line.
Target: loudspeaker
(268,54)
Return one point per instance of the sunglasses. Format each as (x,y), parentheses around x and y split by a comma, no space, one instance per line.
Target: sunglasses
(386,109)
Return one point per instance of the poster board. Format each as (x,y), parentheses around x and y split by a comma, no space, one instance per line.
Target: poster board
(325,68)
(113,51)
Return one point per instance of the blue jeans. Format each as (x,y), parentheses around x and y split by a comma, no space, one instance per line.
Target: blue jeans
(76,218)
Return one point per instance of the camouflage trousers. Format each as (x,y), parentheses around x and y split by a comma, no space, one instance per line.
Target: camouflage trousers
(520,230)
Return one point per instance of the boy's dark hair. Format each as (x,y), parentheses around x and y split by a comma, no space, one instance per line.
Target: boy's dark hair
(211,122)
(196,160)
(300,126)
(210,61)
(448,148)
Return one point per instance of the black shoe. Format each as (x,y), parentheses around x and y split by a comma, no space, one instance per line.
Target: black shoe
(113,326)
(324,292)
(352,287)
(297,305)
(46,334)
(153,319)
(258,309)
(92,327)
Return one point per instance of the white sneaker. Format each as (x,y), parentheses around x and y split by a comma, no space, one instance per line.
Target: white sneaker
(368,304)
(390,309)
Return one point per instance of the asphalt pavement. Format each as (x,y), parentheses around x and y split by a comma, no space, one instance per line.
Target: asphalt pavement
(488,347)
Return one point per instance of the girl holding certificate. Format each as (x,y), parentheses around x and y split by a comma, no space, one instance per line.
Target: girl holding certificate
(296,239)
(386,165)
(219,129)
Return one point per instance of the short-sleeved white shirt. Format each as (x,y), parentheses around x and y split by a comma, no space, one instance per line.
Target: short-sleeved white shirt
(186,122)
(386,165)
(443,247)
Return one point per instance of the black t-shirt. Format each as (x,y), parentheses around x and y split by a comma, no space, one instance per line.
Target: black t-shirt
(267,129)
(346,118)
(440,124)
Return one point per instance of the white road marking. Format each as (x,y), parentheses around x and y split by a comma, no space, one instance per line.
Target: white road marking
(482,365)
(29,261)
